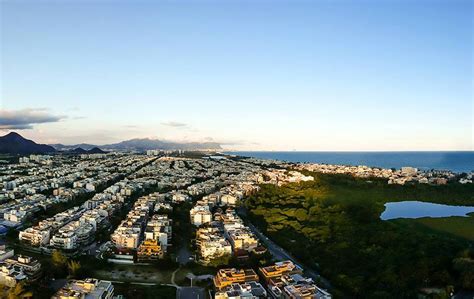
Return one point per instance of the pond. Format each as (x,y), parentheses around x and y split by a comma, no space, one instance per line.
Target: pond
(419,209)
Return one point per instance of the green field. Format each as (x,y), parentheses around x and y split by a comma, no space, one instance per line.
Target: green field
(333,225)
(462,227)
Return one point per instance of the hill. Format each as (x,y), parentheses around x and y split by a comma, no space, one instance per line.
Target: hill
(80,151)
(143,144)
(14,143)
(63,147)
(95,150)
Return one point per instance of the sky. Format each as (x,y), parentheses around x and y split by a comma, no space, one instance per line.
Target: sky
(251,75)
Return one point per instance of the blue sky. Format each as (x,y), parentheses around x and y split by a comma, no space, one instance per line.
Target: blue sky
(273,75)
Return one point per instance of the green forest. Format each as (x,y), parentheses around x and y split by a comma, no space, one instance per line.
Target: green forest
(333,225)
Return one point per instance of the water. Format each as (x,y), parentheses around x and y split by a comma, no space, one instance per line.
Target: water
(419,209)
(454,161)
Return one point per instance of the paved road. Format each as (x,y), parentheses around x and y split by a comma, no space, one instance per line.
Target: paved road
(184,255)
(281,254)
(191,293)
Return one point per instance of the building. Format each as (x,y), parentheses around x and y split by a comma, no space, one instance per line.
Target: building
(228,200)
(159,228)
(302,291)
(35,236)
(15,269)
(278,269)
(149,250)
(30,266)
(211,244)
(200,214)
(295,286)
(10,274)
(73,235)
(89,288)
(227,277)
(247,290)
(408,171)
(126,238)
(5,253)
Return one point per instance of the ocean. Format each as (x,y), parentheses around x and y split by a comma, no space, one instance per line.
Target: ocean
(454,161)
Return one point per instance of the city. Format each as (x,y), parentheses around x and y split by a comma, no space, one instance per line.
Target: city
(268,149)
(89,192)
(143,210)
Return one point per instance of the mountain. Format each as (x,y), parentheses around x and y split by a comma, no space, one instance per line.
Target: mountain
(77,150)
(95,150)
(144,144)
(63,147)
(14,143)
(80,151)
(141,144)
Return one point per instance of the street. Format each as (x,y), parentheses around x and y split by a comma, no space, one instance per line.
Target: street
(190,293)
(280,254)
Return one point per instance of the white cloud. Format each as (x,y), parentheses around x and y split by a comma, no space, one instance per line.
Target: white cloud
(26,118)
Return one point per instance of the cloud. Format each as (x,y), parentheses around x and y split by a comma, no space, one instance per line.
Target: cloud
(26,118)
(174,124)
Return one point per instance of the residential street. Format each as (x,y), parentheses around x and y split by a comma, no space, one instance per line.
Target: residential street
(280,254)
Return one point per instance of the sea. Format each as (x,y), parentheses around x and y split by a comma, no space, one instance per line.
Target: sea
(456,161)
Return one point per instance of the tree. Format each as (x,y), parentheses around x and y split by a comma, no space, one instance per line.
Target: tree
(59,259)
(18,292)
(12,235)
(220,260)
(73,267)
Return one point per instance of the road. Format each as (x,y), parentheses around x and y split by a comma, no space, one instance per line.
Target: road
(281,254)
(184,255)
(191,293)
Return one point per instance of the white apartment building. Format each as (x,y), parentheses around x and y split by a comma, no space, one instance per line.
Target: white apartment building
(35,236)
(212,244)
(200,214)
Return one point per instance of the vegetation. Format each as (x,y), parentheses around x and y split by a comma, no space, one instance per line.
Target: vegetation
(17,292)
(333,224)
(462,227)
(62,265)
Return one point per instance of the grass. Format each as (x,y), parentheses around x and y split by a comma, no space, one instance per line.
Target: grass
(462,227)
(135,273)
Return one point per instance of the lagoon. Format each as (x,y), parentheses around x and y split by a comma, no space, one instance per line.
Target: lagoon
(419,209)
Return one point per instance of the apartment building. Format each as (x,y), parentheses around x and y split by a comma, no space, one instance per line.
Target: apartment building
(295,286)
(247,290)
(17,268)
(159,228)
(35,236)
(200,214)
(73,235)
(211,244)
(227,277)
(89,288)
(150,249)
(278,269)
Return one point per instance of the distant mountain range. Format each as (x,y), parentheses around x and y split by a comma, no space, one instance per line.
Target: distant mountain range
(14,143)
(80,150)
(144,144)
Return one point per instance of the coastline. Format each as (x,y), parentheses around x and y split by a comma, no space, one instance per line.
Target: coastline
(455,161)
